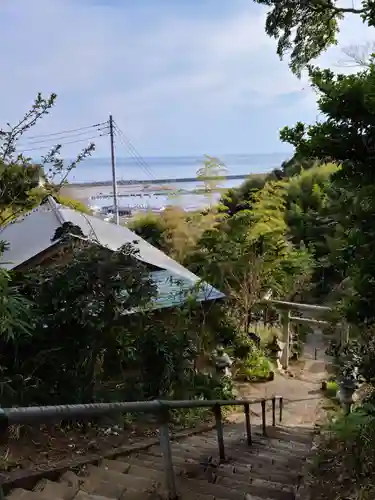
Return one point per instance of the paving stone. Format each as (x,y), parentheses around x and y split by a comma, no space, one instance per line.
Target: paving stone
(53,489)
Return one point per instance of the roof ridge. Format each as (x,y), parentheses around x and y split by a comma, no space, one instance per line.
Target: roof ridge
(55,209)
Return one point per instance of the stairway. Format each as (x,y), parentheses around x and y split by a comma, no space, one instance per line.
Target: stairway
(269,469)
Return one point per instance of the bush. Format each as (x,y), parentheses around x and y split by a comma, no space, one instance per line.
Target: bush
(256,367)
(345,464)
(204,387)
(242,347)
(74,204)
(331,389)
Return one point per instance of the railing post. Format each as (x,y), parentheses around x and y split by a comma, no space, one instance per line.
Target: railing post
(219,430)
(248,423)
(4,426)
(274,411)
(165,445)
(263,403)
(281,404)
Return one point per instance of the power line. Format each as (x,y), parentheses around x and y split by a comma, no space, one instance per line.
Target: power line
(63,137)
(126,142)
(68,131)
(65,143)
(133,151)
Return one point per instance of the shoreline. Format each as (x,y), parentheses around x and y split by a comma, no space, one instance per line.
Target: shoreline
(161,181)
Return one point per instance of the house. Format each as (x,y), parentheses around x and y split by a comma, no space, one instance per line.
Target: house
(30,239)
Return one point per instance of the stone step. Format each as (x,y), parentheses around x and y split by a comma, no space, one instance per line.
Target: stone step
(269,469)
(200,487)
(21,494)
(304,437)
(137,470)
(94,485)
(261,459)
(71,479)
(246,455)
(195,469)
(124,480)
(282,445)
(53,489)
(259,488)
(267,451)
(81,495)
(243,473)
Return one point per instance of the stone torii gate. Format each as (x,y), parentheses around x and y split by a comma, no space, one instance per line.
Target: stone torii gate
(286,308)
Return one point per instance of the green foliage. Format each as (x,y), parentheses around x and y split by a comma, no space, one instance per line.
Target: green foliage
(255,367)
(345,136)
(74,204)
(332,388)
(242,346)
(211,173)
(14,310)
(241,198)
(150,227)
(91,336)
(311,209)
(345,463)
(305,29)
(78,323)
(23,184)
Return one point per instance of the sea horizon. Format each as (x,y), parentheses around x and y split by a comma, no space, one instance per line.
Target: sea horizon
(98,173)
(97,169)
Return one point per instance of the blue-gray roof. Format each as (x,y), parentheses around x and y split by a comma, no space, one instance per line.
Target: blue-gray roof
(173,290)
(32,233)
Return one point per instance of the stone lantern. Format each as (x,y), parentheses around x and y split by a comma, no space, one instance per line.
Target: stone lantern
(222,362)
(275,348)
(347,388)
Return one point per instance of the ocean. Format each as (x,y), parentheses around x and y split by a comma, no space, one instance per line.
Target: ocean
(155,197)
(99,169)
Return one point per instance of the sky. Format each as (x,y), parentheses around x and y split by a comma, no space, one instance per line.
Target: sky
(180,77)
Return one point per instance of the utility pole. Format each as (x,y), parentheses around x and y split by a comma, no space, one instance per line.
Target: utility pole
(113,162)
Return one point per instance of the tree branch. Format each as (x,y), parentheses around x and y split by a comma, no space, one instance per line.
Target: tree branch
(327,4)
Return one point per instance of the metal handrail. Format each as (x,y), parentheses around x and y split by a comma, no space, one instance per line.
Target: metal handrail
(45,414)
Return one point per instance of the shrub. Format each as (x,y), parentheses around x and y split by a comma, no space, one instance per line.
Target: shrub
(332,388)
(256,367)
(345,464)
(242,347)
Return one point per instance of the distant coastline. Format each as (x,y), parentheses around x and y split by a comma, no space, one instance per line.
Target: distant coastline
(162,181)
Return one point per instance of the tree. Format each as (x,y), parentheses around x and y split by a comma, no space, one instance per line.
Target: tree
(14,308)
(346,136)
(211,174)
(23,184)
(174,231)
(78,321)
(311,209)
(306,28)
(237,199)
(358,56)
(249,253)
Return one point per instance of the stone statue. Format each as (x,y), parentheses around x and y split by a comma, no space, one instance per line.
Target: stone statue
(275,348)
(222,362)
(348,387)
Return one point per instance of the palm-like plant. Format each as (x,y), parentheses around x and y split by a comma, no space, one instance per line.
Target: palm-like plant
(14,308)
